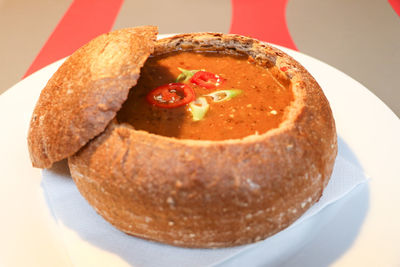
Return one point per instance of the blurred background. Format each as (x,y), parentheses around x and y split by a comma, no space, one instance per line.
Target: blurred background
(359,37)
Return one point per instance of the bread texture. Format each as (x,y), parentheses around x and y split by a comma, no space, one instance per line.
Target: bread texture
(85,93)
(210,194)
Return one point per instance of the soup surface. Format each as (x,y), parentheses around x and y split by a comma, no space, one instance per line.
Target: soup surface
(213,96)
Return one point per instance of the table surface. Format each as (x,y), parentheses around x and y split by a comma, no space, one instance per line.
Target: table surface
(360,38)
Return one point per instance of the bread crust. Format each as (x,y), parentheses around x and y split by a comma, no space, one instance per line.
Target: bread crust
(85,93)
(197,193)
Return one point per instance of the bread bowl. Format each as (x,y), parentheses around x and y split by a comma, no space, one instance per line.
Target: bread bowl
(183,192)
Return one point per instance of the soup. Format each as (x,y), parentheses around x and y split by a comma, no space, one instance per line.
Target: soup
(206,96)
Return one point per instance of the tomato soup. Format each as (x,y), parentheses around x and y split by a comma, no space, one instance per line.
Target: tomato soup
(206,96)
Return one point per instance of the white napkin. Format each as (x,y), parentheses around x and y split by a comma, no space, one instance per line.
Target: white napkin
(91,241)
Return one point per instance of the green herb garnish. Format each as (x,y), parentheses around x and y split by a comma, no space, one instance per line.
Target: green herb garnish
(185,75)
(199,108)
(224,95)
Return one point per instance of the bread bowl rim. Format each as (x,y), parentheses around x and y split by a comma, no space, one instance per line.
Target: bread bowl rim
(292,111)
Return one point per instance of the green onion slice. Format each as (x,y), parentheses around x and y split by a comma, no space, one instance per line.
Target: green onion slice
(199,108)
(224,95)
(185,75)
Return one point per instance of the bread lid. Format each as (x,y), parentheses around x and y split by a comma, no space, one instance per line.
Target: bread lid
(86,92)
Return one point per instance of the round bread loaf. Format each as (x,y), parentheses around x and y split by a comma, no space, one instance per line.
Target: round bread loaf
(203,193)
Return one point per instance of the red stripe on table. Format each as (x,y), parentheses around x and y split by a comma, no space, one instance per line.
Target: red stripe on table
(262,19)
(84,20)
(395,5)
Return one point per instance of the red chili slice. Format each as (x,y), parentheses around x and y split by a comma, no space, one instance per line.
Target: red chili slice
(171,95)
(207,79)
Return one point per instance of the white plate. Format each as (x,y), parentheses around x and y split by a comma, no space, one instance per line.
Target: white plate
(365,232)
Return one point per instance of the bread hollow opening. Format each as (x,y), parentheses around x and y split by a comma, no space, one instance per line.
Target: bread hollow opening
(242,99)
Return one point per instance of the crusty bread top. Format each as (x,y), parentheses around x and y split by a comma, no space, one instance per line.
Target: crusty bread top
(85,93)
